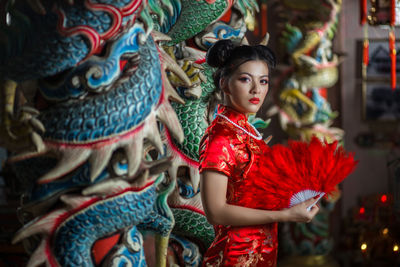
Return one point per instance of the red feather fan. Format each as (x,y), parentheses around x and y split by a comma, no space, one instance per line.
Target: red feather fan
(290,175)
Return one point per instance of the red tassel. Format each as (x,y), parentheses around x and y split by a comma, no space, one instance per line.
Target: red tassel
(366,52)
(392,12)
(392,52)
(363,12)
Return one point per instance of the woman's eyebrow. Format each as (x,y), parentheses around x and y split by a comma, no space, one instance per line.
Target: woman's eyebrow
(263,75)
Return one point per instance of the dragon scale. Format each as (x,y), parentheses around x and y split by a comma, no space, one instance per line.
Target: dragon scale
(193,225)
(186,27)
(116,112)
(58,40)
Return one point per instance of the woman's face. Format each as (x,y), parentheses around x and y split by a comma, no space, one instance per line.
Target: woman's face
(246,88)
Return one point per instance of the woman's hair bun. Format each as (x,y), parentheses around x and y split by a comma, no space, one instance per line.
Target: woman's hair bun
(219,52)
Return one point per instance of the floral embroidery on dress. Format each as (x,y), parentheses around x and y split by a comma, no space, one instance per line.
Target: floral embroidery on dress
(252,258)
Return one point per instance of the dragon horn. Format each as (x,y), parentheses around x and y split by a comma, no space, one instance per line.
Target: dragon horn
(171,93)
(152,134)
(166,114)
(98,161)
(173,169)
(265,40)
(134,158)
(194,177)
(38,258)
(71,159)
(42,225)
(244,41)
(159,36)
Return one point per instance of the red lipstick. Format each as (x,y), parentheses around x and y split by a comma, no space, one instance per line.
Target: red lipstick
(254,100)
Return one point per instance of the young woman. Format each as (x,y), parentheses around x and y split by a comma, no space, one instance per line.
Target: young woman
(230,153)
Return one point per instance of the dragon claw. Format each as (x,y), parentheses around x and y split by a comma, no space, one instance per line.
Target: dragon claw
(37,125)
(18,131)
(30,110)
(37,142)
(22,132)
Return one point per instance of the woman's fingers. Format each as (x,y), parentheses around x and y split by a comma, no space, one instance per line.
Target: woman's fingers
(311,201)
(314,210)
(311,208)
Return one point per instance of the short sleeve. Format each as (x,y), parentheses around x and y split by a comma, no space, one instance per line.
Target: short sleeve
(216,154)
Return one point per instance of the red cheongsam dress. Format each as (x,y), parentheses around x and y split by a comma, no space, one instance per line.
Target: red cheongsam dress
(227,149)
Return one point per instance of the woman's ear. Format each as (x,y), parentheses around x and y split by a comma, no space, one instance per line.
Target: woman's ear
(223,84)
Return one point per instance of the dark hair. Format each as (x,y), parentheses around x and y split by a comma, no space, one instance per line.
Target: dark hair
(227,57)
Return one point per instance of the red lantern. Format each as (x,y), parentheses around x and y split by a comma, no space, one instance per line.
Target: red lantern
(384,198)
(361,211)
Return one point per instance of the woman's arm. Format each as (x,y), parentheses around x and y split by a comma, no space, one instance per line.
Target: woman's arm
(213,186)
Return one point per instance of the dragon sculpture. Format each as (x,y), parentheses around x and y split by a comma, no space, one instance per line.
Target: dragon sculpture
(92,135)
(309,27)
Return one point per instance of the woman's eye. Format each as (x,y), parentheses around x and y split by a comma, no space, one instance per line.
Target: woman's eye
(244,79)
(264,82)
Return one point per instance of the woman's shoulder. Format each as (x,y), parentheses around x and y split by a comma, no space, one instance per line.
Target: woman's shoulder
(219,130)
(216,149)
(213,131)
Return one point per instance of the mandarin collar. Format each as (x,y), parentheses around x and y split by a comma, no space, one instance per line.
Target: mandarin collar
(233,115)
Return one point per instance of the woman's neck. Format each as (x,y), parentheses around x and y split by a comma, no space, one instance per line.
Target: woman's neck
(230,106)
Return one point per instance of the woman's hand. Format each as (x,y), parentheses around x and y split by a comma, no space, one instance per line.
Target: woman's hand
(299,212)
